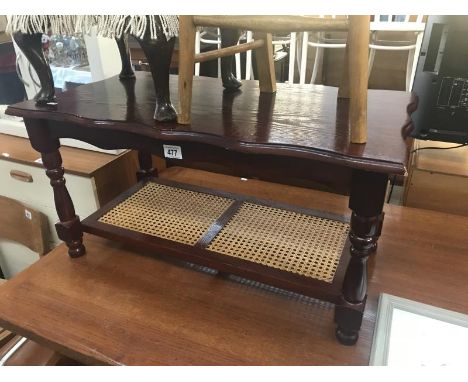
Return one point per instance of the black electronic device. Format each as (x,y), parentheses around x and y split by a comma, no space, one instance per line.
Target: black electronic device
(441,81)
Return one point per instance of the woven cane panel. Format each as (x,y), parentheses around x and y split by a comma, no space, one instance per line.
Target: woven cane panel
(286,240)
(168,212)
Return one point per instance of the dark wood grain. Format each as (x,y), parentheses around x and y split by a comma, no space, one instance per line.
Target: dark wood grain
(118,306)
(303,121)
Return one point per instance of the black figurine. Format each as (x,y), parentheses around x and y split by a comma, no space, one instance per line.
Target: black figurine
(155,34)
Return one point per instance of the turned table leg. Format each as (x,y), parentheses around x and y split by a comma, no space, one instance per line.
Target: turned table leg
(69,227)
(366,201)
(146,169)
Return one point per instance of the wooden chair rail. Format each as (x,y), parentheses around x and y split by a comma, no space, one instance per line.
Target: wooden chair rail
(275,24)
(229,51)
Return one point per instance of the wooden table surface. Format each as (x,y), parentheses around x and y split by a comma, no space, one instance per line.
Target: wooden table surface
(301,121)
(118,306)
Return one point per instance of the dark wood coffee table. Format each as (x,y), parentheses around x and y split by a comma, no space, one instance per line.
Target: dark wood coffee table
(298,136)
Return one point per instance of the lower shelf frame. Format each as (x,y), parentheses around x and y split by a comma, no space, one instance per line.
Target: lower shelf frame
(200,255)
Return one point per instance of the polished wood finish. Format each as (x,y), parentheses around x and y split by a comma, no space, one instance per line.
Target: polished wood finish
(298,121)
(69,227)
(118,306)
(276,24)
(23,224)
(357,62)
(293,145)
(366,201)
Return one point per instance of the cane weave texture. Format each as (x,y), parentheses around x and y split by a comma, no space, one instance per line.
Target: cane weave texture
(307,245)
(168,212)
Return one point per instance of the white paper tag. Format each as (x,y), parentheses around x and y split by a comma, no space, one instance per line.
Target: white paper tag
(38,160)
(28,214)
(172,152)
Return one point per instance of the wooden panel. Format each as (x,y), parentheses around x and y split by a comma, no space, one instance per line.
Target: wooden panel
(116,177)
(451,162)
(39,192)
(23,225)
(116,306)
(438,179)
(439,192)
(76,161)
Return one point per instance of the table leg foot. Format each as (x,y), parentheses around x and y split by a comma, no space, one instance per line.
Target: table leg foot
(345,337)
(76,248)
(348,317)
(71,233)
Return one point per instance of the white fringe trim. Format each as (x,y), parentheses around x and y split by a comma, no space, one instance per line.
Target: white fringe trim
(111,26)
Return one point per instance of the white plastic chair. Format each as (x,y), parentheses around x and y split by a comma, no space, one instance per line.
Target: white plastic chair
(413,48)
(319,45)
(204,36)
(390,24)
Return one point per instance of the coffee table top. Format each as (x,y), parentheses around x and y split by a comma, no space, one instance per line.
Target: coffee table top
(303,121)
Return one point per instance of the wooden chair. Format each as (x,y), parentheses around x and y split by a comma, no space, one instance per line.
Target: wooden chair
(26,226)
(354,83)
(204,36)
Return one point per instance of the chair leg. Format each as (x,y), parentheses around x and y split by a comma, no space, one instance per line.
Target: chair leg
(197,50)
(292,57)
(358,55)
(370,63)
(219,38)
(409,65)
(248,61)
(417,50)
(305,46)
(265,64)
(317,62)
(187,34)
